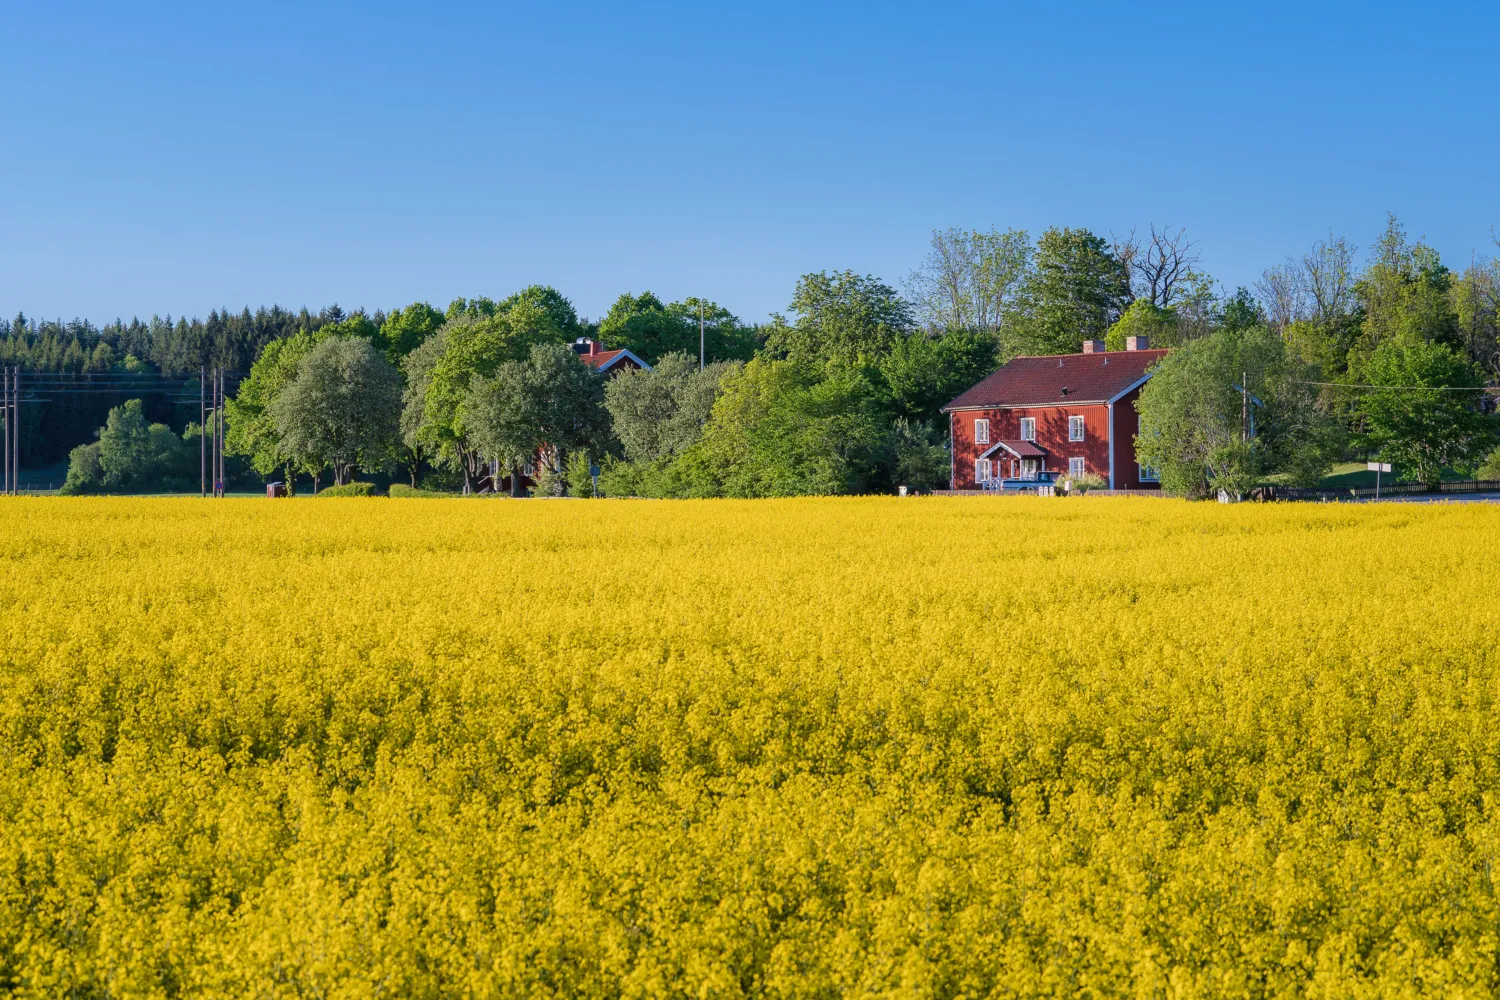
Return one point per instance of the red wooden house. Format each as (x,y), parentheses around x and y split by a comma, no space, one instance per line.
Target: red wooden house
(1068,414)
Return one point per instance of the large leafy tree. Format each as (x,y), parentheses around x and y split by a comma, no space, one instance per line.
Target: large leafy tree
(1200,431)
(922,372)
(546,405)
(250,428)
(341,409)
(1405,294)
(474,344)
(653,329)
(841,317)
(660,412)
(969,278)
(1429,418)
(1075,290)
(643,324)
(786,428)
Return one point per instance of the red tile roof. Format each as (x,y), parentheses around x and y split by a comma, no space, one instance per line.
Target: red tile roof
(603,360)
(1057,379)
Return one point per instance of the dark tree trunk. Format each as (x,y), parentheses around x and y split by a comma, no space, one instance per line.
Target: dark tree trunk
(515,479)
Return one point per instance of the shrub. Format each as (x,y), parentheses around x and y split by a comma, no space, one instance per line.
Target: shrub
(84,472)
(403,491)
(1488,469)
(350,490)
(1086,482)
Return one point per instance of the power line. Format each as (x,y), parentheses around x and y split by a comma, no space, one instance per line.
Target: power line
(1424,388)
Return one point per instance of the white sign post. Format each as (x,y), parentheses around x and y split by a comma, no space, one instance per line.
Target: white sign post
(1378,468)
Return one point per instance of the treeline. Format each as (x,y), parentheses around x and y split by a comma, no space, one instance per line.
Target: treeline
(1325,359)
(72,370)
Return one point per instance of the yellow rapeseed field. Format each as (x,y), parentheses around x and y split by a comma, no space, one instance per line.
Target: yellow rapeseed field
(801,748)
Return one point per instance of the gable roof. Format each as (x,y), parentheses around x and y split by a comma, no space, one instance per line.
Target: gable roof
(1020,449)
(1059,379)
(604,360)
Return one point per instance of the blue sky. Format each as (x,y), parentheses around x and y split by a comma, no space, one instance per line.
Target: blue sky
(164,158)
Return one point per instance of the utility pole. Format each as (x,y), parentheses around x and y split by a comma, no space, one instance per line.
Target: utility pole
(221,432)
(15,434)
(700,335)
(213,452)
(5,411)
(203,431)
(1244,407)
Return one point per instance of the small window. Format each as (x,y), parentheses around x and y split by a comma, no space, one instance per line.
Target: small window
(528,470)
(1075,428)
(1028,428)
(981,470)
(1075,465)
(1148,474)
(981,432)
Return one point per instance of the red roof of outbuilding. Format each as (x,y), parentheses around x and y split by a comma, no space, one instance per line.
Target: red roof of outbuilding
(1059,379)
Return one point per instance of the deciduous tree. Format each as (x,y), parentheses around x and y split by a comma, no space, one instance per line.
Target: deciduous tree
(341,409)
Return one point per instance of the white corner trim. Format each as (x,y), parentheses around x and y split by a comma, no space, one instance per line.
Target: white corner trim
(1129,389)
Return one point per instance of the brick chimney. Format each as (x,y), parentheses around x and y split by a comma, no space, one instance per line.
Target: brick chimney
(1136,343)
(1093,347)
(586,346)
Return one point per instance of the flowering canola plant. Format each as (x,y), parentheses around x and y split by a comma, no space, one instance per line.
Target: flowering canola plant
(805,748)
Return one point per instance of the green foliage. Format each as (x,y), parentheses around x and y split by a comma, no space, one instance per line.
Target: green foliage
(1489,469)
(1142,319)
(1416,423)
(922,460)
(349,490)
(844,318)
(134,456)
(404,491)
(85,475)
(784,428)
(969,279)
(546,405)
(580,482)
(250,429)
(1087,482)
(341,409)
(651,329)
(925,372)
(473,344)
(549,481)
(1405,294)
(659,413)
(1195,422)
(1074,292)
(406,329)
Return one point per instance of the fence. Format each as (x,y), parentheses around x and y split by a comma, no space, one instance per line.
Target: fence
(1028,493)
(1394,490)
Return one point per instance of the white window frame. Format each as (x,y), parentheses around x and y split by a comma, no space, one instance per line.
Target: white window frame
(1075,428)
(981,431)
(983,470)
(1028,428)
(1077,466)
(1148,474)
